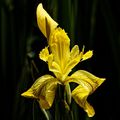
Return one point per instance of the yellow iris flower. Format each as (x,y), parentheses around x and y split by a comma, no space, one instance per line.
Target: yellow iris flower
(61,60)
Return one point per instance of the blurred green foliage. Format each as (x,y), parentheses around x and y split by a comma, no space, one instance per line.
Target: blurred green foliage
(94,24)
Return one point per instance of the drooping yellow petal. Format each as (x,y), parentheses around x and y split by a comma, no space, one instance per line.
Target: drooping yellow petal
(47,95)
(35,89)
(42,16)
(83,77)
(88,83)
(29,94)
(80,95)
(43,90)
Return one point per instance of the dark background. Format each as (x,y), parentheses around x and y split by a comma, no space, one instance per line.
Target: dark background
(95,24)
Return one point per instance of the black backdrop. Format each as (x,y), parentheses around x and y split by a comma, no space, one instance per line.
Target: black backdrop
(96,25)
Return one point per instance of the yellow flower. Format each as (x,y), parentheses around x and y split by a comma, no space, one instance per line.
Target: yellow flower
(61,60)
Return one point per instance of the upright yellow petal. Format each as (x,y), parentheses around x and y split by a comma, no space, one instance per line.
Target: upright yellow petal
(44,54)
(74,52)
(42,16)
(52,65)
(87,55)
(80,95)
(59,44)
(75,57)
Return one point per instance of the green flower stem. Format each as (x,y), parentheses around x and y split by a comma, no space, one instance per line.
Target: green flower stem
(62,108)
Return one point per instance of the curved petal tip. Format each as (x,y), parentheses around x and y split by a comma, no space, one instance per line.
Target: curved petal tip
(44,21)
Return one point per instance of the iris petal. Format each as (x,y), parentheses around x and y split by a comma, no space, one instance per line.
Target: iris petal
(59,44)
(74,59)
(87,84)
(47,95)
(84,77)
(44,54)
(74,52)
(43,90)
(42,15)
(87,55)
(80,95)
